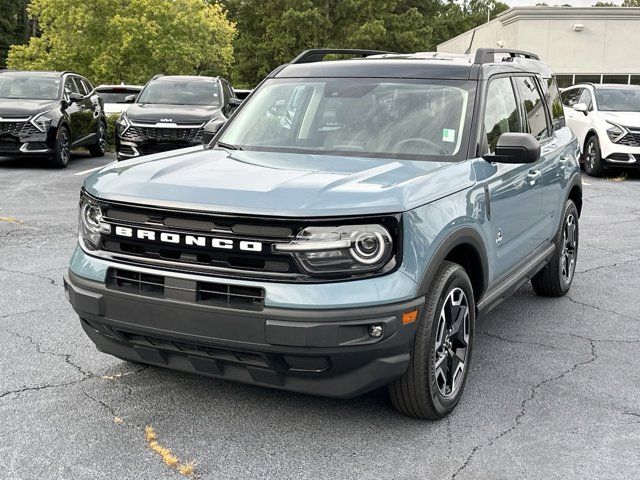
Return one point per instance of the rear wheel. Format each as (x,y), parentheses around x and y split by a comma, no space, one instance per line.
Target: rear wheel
(100,147)
(555,279)
(441,354)
(593,158)
(62,151)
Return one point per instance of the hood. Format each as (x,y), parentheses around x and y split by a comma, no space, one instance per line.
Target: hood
(626,119)
(156,113)
(279,184)
(17,108)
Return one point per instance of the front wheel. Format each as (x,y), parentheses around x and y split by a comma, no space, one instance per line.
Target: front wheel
(555,279)
(593,157)
(99,148)
(441,354)
(62,151)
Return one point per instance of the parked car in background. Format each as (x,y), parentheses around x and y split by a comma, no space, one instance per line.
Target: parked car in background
(342,230)
(48,114)
(606,120)
(117,98)
(242,93)
(171,112)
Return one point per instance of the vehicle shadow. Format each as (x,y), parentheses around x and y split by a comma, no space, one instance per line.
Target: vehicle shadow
(40,163)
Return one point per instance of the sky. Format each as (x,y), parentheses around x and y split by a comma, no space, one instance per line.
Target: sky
(574,3)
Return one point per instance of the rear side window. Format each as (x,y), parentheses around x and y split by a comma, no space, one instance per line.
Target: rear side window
(552,96)
(533,105)
(501,112)
(87,86)
(571,97)
(81,86)
(586,98)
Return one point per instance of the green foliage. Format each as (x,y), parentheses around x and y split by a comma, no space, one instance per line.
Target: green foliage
(113,41)
(631,3)
(15,27)
(272,32)
(111,131)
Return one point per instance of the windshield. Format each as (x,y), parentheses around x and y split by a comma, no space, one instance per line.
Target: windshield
(116,95)
(29,87)
(618,99)
(181,92)
(388,118)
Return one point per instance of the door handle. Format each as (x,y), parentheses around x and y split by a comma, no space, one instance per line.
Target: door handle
(533,176)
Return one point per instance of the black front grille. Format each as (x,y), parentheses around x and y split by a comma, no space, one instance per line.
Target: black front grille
(17,129)
(230,296)
(136,282)
(204,293)
(631,139)
(164,135)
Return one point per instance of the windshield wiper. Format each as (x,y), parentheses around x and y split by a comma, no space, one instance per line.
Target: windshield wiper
(228,146)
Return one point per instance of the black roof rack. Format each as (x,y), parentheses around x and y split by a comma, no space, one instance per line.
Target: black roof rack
(318,54)
(487,55)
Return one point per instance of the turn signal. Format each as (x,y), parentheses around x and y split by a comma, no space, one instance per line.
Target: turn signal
(409,317)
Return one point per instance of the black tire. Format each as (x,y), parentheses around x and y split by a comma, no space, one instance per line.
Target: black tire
(422,391)
(593,157)
(99,148)
(62,151)
(555,279)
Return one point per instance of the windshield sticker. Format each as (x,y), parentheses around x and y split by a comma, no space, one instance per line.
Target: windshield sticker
(448,135)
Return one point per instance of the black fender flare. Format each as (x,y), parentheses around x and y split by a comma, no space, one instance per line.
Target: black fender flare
(461,236)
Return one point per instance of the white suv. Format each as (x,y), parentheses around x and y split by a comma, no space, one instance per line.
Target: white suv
(606,120)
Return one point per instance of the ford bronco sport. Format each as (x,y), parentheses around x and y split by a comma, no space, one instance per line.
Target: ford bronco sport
(343,229)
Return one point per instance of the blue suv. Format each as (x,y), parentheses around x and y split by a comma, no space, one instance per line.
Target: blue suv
(342,231)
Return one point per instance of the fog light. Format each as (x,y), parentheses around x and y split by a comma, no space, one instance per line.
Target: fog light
(375,331)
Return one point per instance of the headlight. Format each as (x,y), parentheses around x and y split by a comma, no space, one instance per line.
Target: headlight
(348,249)
(616,132)
(42,121)
(123,124)
(90,223)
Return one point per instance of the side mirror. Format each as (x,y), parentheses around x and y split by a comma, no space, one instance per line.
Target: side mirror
(130,98)
(235,102)
(515,148)
(581,107)
(75,97)
(210,129)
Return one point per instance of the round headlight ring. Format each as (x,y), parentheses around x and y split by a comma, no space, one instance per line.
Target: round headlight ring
(368,247)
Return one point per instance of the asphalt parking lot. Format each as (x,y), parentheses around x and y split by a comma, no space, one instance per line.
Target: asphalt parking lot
(554,390)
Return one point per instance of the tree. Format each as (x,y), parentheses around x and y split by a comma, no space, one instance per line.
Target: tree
(114,41)
(631,3)
(15,25)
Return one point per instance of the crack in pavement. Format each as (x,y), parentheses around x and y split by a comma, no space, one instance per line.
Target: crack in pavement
(42,387)
(521,342)
(32,274)
(608,250)
(523,409)
(65,356)
(608,266)
(577,302)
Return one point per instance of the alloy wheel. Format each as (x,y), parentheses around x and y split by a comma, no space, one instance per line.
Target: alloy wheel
(102,138)
(452,342)
(569,248)
(590,157)
(65,151)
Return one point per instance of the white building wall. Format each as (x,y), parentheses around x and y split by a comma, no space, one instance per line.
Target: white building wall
(607,43)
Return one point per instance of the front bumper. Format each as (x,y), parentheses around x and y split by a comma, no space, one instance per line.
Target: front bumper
(323,352)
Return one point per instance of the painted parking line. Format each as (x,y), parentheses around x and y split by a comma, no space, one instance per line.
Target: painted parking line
(89,171)
(585,183)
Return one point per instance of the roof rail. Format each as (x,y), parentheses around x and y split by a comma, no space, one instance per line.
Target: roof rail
(155,77)
(318,54)
(487,55)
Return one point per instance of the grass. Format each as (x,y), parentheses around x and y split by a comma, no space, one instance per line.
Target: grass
(172,461)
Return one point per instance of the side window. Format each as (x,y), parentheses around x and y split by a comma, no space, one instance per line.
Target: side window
(570,97)
(228,93)
(501,112)
(586,98)
(552,96)
(535,113)
(87,85)
(70,86)
(81,86)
